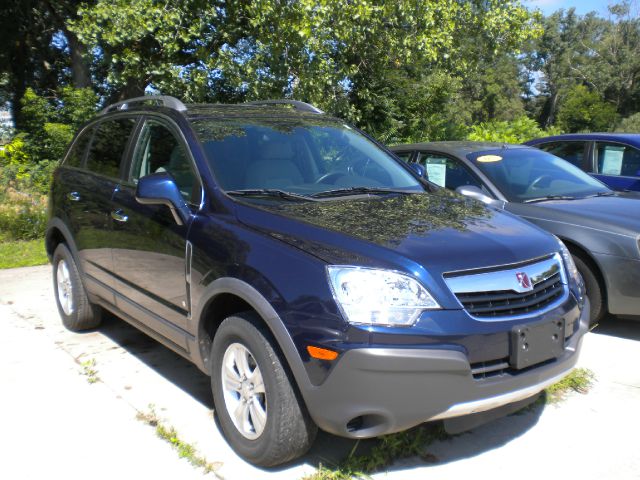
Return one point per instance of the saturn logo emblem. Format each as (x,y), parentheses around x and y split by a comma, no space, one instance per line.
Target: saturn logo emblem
(524,281)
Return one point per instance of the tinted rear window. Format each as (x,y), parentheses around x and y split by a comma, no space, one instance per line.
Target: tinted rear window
(76,154)
(108,146)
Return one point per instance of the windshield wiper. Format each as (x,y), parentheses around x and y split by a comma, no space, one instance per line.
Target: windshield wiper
(549,197)
(342,192)
(601,194)
(269,192)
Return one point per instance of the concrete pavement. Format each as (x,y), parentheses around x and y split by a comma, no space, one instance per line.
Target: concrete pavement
(57,424)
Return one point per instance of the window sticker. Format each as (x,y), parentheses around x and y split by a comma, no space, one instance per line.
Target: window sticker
(489,158)
(437,173)
(612,160)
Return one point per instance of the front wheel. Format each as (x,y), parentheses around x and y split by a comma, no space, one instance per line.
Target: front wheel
(76,311)
(593,289)
(258,410)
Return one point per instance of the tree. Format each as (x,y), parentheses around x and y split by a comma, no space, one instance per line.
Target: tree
(584,110)
(41,52)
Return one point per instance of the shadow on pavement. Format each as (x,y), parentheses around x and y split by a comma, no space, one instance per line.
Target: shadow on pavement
(328,450)
(618,327)
(176,369)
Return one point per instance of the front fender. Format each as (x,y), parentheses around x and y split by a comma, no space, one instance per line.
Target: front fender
(244,291)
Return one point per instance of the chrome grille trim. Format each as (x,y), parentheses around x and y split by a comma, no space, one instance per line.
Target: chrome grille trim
(487,295)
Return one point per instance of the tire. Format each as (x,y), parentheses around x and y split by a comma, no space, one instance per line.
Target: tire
(243,345)
(593,288)
(76,311)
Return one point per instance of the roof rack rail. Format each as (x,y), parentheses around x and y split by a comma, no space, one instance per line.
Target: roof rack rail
(298,105)
(163,100)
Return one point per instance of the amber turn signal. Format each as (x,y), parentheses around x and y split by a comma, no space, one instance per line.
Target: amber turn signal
(322,353)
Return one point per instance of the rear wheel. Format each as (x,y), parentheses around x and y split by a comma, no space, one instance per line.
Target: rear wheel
(593,288)
(259,412)
(75,309)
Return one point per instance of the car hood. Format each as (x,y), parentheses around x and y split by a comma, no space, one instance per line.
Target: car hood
(440,231)
(615,214)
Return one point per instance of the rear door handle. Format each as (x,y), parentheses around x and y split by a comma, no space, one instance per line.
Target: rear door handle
(119,216)
(73,196)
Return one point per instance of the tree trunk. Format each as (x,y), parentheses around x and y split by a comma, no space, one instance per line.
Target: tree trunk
(79,67)
(19,78)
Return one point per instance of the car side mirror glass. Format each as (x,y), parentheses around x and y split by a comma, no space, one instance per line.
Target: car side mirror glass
(419,169)
(476,193)
(161,189)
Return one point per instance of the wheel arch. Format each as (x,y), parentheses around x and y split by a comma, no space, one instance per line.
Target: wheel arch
(583,253)
(57,233)
(226,296)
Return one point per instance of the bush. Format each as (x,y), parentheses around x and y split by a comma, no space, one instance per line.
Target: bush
(518,131)
(22,216)
(630,124)
(584,110)
(18,171)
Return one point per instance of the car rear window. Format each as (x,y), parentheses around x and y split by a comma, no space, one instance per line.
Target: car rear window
(78,149)
(107,147)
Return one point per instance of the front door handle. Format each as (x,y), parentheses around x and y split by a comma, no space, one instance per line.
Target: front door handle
(119,216)
(73,196)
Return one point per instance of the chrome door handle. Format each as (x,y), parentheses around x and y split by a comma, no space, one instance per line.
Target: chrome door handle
(73,196)
(119,216)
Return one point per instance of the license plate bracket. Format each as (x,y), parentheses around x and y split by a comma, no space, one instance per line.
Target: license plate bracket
(532,344)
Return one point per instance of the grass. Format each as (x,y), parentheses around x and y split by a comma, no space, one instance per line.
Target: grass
(580,380)
(388,449)
(89,370)
(22,253)
(185,450)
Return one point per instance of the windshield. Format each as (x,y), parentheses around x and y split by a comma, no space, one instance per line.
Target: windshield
(529,174)
(298,155)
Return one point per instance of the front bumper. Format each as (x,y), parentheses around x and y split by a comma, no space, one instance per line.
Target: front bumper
(375,391)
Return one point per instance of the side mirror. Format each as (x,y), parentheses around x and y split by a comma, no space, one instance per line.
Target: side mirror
(476,193)
(161,189)
(419,169)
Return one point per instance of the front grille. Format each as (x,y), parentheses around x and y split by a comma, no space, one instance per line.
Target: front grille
(510,291)
(502,303)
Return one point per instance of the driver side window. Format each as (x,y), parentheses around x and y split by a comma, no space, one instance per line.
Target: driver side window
(447,172)
(159,150)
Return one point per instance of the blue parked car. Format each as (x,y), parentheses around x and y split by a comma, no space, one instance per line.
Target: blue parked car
(613,158)
(319,281)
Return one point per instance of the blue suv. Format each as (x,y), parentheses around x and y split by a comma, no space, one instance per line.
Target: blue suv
(319,281)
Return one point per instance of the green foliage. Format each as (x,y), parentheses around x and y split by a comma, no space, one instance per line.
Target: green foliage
(630,124)
(75,106)
(388,449)
(584,110)
(22,216)
(28,160)
(185,450)
(518,131)
(579,380)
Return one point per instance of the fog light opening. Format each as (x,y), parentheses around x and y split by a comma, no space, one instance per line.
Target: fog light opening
(370,424)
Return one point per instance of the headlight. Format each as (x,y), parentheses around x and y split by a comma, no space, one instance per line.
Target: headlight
(570,266)
(370,296)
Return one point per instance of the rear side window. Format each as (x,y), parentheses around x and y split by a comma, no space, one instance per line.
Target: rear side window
(107,147)
(617,159)
(572,152)
(78,149)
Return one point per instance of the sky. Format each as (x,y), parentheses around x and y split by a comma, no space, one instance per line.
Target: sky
(581,6)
